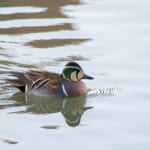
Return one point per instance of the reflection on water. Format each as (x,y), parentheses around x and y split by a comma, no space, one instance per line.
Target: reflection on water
(55,42)
(9,63)
(25,30)
(71,109)
(9,141)
(53,8)
(51,127)
(72,58)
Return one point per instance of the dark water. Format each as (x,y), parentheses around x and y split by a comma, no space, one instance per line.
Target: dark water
(110,40)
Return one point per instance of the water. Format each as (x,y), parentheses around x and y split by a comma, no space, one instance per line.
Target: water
(109,39)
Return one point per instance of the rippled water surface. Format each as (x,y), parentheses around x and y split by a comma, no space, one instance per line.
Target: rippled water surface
(110,40)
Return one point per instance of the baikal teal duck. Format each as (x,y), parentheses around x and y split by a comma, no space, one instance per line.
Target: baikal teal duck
(43,83)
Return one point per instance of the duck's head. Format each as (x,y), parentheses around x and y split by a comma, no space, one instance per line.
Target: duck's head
(73,72)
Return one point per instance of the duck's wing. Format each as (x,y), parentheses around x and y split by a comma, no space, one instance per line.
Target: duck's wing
(35,80)
(42,79)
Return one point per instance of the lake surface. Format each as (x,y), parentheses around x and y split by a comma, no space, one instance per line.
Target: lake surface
(110,40)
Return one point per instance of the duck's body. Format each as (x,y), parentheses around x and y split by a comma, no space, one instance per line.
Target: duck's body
(42,83)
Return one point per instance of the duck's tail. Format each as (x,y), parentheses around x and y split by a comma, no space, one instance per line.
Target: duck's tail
(19,82)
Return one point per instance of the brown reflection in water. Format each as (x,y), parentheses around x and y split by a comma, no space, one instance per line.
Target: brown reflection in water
(2,53)
(50,127)
(72,109)
(23,30)
(71,58)
(55,42)
(57,61)
(10,63)
(9,141)
(53,8)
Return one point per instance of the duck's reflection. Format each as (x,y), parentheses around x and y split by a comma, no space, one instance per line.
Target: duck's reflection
(72,109)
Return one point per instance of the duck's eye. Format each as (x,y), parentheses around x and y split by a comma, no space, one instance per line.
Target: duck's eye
(80,75)
(74,76)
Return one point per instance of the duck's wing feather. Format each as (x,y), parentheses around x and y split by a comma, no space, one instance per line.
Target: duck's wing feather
(44,83)
(35,79)
(33,75)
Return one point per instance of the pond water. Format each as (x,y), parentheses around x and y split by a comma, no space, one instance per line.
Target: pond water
(109,39)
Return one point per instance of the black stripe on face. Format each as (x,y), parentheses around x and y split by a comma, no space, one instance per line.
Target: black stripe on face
(77,72)
(80,75)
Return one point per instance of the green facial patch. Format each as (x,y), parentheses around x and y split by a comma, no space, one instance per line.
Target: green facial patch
(67,72)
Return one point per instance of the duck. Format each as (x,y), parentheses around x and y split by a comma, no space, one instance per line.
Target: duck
(43,83)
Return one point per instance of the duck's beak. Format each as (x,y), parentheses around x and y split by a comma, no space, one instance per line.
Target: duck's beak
(87,77)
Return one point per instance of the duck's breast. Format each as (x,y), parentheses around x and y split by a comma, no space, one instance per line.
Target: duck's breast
(72,89)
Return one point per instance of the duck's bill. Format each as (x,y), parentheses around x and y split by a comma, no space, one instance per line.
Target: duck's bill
(87,77)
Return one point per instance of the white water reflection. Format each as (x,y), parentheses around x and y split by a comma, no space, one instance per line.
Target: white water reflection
(31,22)
(14,10)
